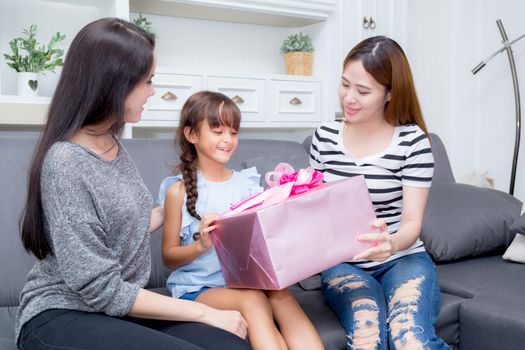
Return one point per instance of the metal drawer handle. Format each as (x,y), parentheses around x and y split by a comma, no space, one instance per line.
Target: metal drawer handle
(295,101)
(372,23)
(237,99)
(169,96)
(366,23)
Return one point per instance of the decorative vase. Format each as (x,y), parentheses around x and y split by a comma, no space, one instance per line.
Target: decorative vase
(298,63)
(27,84)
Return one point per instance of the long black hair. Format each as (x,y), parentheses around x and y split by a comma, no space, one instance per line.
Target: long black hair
(105,61)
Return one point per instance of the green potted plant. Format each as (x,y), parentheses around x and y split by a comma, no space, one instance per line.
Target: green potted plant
(29,59)
(142,22)
(298,54)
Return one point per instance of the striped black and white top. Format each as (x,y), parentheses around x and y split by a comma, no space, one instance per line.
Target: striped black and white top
(407,161)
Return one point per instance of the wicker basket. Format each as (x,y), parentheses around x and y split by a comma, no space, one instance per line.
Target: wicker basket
(298,63)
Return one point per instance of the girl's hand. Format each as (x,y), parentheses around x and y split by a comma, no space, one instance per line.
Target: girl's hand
(205,229)
(382,250)
(229,320)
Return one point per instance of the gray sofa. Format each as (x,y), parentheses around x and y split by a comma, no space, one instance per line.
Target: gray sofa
(483,303)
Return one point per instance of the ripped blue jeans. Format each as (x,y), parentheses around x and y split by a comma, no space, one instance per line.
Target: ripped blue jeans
(391,306)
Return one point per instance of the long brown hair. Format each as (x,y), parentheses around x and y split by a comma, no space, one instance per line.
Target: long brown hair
(386,62)
(218,110)
(105,61)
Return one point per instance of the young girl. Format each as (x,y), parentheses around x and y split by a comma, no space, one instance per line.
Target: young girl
(388,296)
(207,136)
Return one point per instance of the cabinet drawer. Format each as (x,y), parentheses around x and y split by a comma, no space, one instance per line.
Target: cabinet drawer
(247,93)
(171,91)
(295,101)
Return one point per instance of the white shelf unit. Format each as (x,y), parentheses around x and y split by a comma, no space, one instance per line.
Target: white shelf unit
(240,39)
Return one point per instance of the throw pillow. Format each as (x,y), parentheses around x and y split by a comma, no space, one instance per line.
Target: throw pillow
(519,225)
(516,251)
(463,221)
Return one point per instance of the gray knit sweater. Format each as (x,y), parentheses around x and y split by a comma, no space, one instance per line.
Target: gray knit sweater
(97,213)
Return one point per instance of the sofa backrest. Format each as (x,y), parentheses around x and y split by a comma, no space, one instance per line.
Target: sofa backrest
(154,158)
(442,168)
(15,262)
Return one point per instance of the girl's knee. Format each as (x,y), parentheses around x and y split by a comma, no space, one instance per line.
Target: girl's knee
(253,301)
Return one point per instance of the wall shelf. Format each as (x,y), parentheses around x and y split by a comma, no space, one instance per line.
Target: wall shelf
(19,110)
(282,13)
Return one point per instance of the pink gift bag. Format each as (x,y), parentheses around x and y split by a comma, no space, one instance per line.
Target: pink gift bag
(293,230)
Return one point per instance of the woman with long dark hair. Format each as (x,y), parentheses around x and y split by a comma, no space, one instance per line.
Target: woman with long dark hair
(88,214)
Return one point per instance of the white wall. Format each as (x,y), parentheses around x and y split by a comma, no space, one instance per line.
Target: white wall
(474,114)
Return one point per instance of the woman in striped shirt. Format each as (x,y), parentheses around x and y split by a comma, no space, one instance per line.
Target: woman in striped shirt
(387,296)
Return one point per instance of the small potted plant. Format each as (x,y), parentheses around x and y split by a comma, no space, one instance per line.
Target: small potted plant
(29,58)
(142,22)
(298,54)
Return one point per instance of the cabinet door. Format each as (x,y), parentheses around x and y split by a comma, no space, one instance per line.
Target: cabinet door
(247,93)
(295,101)
(366,18)
(171,91)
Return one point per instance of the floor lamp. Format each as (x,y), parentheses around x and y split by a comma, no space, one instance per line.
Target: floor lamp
(507,46)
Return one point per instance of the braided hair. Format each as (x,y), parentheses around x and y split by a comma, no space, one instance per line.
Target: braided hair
(218,110)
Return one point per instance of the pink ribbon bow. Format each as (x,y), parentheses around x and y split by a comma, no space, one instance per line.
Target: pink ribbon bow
(302,180)
(283,182)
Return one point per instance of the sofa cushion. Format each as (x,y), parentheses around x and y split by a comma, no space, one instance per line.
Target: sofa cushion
(7,327)
(483,276)
(463,221)
(447,326)
(493,322)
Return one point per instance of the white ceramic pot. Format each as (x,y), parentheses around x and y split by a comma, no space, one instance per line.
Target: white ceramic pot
(27,84)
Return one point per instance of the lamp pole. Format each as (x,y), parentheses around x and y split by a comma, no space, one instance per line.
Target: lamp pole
(507,46)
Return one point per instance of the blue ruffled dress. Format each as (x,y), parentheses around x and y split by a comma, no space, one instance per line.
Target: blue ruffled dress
(214,197)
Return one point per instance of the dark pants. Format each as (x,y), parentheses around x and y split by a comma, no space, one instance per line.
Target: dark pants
(71,329)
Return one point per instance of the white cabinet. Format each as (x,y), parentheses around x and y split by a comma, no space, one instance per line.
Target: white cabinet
(247,93)
(360,19)
(265,101)
(366,18)
(295,101)
(171,91)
